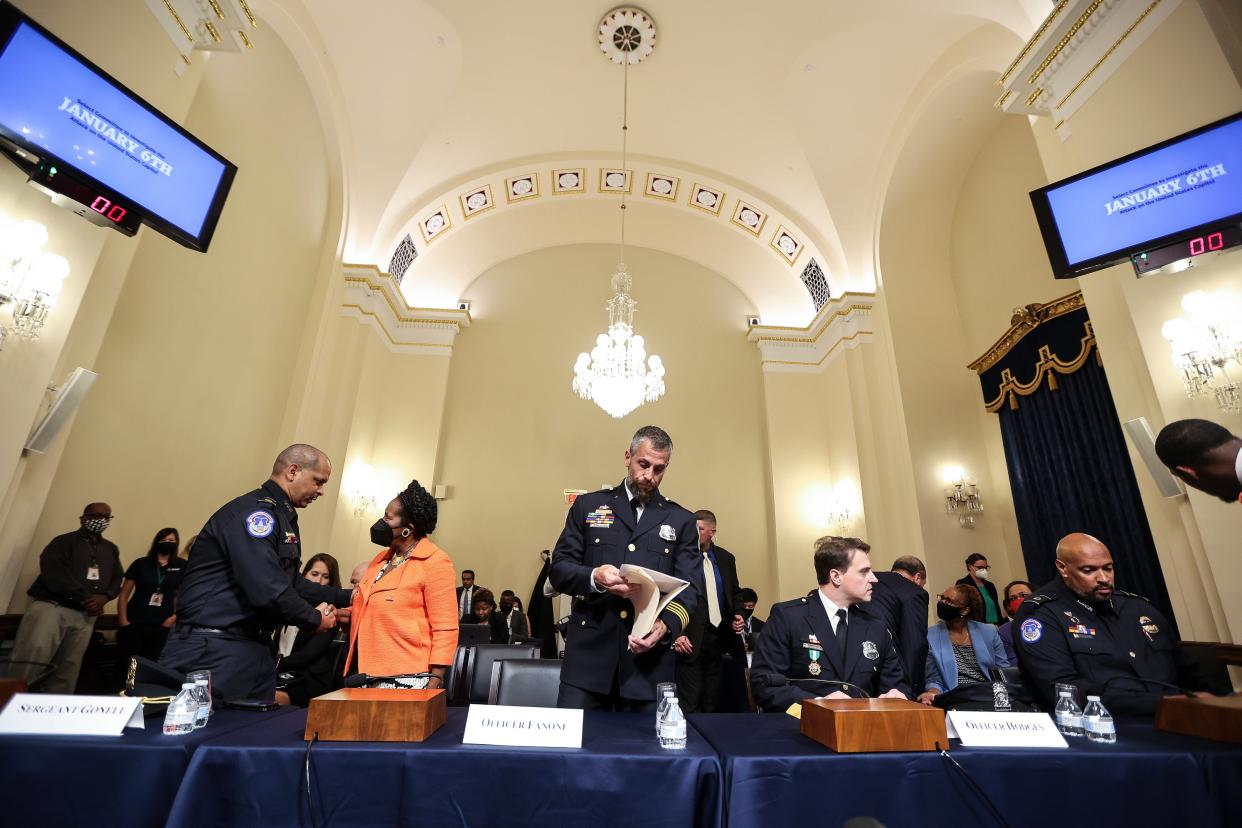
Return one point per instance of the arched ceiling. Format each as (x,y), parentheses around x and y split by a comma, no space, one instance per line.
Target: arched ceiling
(797,103)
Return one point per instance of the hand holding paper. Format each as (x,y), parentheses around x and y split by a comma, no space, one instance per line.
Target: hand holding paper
(651,593)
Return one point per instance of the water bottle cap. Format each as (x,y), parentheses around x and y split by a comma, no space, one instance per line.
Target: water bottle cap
(189,685)
(1093,698)
(200,681)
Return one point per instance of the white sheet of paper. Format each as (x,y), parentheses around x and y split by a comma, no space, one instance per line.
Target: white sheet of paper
(655,590)
(987,729)
(70,715)
(497,724)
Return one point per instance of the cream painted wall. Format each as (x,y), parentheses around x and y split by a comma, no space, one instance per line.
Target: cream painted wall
(195,367)
(515,435)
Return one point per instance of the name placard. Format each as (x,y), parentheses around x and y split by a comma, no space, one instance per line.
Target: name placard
(493,724)
(70,715)
(985,729)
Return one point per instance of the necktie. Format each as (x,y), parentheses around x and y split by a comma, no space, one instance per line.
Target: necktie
(637,506)
(713,600)
(465,601)
(842,628)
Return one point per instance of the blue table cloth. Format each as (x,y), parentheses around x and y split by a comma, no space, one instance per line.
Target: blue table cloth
(102,781)
(620,776)
(776,776)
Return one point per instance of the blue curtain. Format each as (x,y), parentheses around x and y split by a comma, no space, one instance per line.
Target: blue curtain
(1066,454)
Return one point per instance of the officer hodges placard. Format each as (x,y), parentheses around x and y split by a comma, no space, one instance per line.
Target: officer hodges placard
(983,729)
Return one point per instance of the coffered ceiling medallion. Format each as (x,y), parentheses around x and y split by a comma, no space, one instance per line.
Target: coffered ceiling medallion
(748,217)
(786,244)
(705,198)
(568,181)
(435,224)
(614,181)
(477,201)
(521,186)
(661,186)
(627,34)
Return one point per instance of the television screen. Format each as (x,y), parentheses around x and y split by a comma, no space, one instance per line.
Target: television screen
(57,105)
(1155,196)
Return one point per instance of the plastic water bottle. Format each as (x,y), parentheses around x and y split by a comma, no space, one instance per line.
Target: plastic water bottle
(204,703)
(181,713)
(673,727)
(1099,722)
(662,709)
(1000,697)
(1068,716)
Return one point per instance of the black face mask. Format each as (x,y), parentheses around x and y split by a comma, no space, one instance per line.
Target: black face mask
(166,548)
(381,533)
(747,613)
(948,612)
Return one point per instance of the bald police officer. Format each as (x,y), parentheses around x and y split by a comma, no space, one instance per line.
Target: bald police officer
(1081,630)
(605,666)
(243,582)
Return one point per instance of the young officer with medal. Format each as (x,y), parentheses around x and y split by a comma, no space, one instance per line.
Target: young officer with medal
(828,644)
(605,666)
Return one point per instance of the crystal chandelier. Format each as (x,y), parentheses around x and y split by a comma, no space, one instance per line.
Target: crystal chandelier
(617,375)
(30,280)
(1204,344)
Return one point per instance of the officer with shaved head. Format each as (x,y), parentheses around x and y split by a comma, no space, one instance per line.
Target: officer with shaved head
(1080,629)
(243,582)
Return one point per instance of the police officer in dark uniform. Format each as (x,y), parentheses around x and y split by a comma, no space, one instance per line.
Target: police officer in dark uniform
(605,666)
(1079,629)
(822,644)
(243,582)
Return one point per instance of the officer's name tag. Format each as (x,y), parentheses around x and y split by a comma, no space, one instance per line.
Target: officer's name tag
(983,729)
(70,715)
(492,724)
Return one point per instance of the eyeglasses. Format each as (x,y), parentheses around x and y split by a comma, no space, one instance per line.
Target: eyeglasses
(942,599)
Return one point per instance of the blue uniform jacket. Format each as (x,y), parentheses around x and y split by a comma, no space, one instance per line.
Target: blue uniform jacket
(244,572)
(601,529)
(942,666)
(796,628)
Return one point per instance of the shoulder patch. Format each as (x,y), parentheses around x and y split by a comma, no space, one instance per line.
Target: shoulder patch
(1032,630)
(260,524)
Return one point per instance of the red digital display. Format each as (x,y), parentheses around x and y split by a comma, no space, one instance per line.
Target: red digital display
(1206,244)
(104,207)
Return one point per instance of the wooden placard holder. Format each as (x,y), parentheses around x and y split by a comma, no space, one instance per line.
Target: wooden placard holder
(873,725)
(368,714)
(1209,717)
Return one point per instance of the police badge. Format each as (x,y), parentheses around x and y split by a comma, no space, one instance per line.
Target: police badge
(870,650)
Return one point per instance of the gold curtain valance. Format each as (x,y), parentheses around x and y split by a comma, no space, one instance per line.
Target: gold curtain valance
(1040,344)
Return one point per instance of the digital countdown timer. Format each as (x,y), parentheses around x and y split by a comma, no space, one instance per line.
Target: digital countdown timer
(104,209)
(1152,261)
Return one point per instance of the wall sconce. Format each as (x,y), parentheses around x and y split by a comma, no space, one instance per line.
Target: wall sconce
(961,496)
(362,490)
(834,507)
(1204,342)
(30,280)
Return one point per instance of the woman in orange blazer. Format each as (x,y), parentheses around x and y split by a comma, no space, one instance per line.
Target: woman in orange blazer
(404,614)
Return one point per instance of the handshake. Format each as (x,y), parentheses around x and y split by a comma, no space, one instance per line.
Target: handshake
(330,616)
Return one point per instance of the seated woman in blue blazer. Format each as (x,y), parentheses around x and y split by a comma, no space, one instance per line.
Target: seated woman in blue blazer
(961,649)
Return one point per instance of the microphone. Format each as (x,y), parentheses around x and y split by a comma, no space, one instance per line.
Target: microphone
(364,680)
(1181,691)
(775,680)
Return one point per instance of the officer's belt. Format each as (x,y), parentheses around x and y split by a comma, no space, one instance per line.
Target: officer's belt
(251,633)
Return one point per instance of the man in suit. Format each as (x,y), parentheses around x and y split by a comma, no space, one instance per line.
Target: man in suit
(828,638)
(900,599)
(465,595)
(606,666)
(710,636)
(1204,455)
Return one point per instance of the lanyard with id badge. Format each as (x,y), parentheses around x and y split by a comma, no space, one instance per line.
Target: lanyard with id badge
(157,597)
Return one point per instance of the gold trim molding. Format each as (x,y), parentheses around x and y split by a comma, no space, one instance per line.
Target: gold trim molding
(373,298)
(843,322)
(1046,369)
(1024,320)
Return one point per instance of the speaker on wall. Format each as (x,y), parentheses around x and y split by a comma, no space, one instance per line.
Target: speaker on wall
(1145,444)
(68,398)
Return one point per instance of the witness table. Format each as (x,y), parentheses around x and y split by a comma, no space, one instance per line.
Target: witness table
(621,776)
(773,775)
(128,780)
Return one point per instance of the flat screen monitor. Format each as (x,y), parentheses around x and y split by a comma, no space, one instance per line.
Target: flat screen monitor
(61,108)
(1163,194)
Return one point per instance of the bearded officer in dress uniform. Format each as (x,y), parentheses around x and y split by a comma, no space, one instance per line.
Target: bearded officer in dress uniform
(1081,630)
(606,667)
(243,581)
(828,644)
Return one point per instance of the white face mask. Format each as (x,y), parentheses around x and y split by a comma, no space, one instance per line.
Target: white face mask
(981,573)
